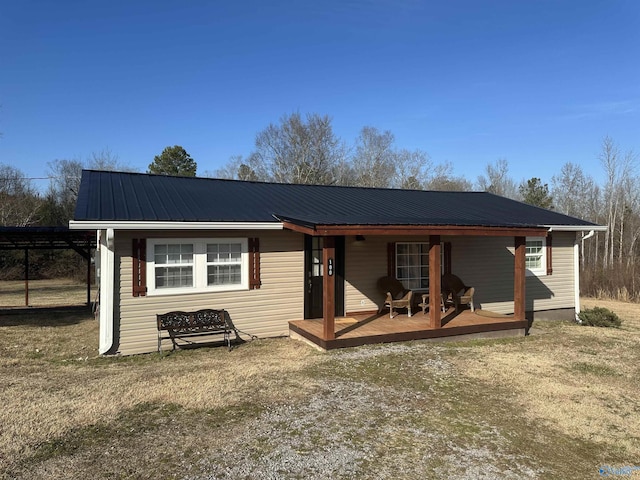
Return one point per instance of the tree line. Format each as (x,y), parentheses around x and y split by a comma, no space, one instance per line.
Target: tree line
(306,150)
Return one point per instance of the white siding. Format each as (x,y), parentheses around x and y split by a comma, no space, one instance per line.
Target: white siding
(264,312)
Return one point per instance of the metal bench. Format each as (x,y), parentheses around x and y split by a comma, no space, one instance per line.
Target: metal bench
(184,326)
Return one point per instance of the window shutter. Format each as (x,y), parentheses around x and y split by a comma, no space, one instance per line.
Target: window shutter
(139,276)
(447,257)
(549,254)
(254,263)
(391,259)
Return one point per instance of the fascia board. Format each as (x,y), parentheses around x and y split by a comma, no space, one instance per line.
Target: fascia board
(101,225)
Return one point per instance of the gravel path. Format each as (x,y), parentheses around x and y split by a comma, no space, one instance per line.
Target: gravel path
(348,430)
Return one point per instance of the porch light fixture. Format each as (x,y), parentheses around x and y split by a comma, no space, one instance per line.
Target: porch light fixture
(359,238)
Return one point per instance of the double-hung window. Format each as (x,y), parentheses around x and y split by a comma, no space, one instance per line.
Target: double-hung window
(197,265)
(536,256)
(412,265)
(173,265)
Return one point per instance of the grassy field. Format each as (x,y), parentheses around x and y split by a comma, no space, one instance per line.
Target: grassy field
(560,403)
(43,293)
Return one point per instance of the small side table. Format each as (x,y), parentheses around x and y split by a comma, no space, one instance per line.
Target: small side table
(425,303)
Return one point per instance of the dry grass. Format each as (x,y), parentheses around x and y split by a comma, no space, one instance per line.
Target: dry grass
(581,381)
(43,293)
(556,404)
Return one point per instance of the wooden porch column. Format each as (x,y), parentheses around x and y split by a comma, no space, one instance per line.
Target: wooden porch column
(519,279)
(435,320)
(328,288)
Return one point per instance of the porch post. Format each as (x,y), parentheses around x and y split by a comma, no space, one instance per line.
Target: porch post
(519,278)
(435,286)
(328,288)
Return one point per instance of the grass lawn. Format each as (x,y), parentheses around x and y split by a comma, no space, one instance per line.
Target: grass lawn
(560,403)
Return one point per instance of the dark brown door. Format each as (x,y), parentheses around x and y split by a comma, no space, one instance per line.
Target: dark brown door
(314,273)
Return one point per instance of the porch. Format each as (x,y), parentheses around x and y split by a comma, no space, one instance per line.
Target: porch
(364,329)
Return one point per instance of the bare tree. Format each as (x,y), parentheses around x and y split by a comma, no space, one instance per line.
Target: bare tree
(573,191)
(107,161)
(298,151)
(617,168)
(19,201)
(441,177)
(497,180)
(374,160)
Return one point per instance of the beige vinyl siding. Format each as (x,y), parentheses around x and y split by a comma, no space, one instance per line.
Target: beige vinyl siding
(264,312)
(487,263)
(365,262)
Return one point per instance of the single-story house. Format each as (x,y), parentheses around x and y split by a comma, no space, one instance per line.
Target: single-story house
(275,256)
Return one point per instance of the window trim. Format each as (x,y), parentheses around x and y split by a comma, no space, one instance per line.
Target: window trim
(199,266)
(541,271)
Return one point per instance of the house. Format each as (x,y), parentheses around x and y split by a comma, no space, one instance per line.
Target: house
(276,255)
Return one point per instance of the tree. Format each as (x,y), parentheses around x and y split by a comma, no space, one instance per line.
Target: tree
(19,202)
(64,184)
(441,178)
(297,151)
(173,161)
(497,180)
(374,162)
(535,193)
(107,161)
(572,191)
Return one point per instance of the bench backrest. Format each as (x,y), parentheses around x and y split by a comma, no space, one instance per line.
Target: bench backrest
(193,322)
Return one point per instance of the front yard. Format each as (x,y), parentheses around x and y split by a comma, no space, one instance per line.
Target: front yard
(561,403)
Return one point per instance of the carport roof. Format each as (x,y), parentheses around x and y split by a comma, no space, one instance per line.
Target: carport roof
(46,238)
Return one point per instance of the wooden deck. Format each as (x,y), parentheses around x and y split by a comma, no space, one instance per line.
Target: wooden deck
(379,328)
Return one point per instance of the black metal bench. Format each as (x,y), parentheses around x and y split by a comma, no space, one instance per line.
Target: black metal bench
(185,326)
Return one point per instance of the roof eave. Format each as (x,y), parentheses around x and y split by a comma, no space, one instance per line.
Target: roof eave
(146,225)
(576,228)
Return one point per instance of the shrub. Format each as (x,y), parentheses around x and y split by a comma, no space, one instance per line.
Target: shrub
(599,317)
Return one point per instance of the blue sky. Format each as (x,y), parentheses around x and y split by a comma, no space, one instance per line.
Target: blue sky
(539,83)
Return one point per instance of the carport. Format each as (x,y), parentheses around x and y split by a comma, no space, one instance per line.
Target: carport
(48,238)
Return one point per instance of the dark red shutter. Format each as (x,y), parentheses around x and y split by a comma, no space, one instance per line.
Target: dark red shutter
(391,259)
(254,263)
(139,255)
(549,254)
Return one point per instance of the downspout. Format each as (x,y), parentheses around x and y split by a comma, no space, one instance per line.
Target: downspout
(106,286)
(576,269)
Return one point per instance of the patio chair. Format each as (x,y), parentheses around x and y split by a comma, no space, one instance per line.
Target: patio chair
(396,295)
(460,293)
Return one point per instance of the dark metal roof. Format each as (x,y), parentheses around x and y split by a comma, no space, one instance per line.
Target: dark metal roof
(115,196)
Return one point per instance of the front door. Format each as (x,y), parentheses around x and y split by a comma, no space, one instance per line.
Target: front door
(314,272)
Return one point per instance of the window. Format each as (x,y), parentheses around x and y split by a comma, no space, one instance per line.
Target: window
(536,256)
(173,265)
(197,265)
(412,265)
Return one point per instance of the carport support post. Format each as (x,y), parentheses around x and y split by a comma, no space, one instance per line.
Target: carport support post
(26,277)
(328,288)
(435,285)
(89,277)
(519,281)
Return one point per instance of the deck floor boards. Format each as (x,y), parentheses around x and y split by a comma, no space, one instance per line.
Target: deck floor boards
(363,329)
